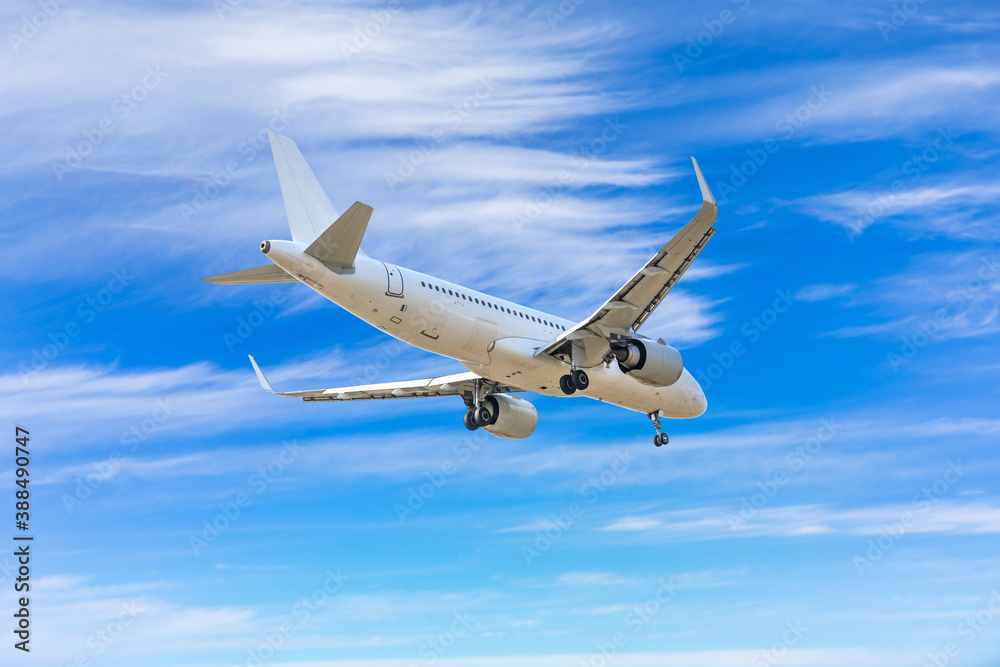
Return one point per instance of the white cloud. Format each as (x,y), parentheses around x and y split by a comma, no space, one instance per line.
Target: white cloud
(951,294)
(939,516)
(590,579)
(953,209)
(823,291)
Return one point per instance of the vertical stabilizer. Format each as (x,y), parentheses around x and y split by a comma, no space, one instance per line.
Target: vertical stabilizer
(309,210)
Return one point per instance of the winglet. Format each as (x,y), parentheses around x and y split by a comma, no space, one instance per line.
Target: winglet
(260,375)
(706,194)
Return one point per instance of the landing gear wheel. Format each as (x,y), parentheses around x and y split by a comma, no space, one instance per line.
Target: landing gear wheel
(470,421)
(580,379)
(566,384)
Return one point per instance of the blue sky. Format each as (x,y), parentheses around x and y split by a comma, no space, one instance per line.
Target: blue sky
(837,504)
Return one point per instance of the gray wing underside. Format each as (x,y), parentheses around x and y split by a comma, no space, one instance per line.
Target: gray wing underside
(458,384)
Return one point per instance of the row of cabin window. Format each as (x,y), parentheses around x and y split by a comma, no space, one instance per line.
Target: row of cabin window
(484,303)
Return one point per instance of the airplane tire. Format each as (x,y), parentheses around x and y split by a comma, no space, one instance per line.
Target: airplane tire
(566,384)
(470,422)
(656,440)
(580,379)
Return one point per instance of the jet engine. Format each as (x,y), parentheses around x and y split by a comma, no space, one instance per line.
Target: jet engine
(510,416)
(655,364)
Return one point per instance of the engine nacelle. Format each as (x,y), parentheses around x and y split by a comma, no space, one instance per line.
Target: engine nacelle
(655,364)
(515,418)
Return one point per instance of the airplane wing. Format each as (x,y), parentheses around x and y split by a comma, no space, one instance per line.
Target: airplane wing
(459,384)
(625,312)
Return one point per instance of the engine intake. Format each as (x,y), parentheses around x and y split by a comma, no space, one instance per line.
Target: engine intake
(654,364)
(510,416)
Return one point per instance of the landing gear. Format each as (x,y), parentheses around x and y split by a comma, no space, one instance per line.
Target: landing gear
(483,410)
(470,422)
(659,439)
(479,417)
(576,380)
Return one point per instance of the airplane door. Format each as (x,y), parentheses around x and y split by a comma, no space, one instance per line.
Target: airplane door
(395,278)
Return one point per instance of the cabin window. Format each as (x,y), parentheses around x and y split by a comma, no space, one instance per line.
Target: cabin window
(451,293)
(422,284)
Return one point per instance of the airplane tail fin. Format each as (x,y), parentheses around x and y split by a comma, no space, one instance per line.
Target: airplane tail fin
(309,210)
(331,238)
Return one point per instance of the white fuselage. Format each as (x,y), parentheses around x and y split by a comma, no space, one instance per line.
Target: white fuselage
(492,337)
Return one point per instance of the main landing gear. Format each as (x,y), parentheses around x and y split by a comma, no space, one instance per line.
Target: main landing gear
(478,418)
(576,380)
(659,439)
(483,411)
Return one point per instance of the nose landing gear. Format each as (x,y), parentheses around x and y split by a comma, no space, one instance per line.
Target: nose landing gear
(659,439)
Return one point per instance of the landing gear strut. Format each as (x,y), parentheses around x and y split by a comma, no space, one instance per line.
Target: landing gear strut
(576,380)
(659,439)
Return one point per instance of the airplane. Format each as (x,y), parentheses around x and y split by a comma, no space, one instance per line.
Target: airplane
(506,348)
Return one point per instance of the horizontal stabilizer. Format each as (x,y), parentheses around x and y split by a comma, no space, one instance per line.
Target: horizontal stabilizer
(272,273)
(308,208)
(338,245)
